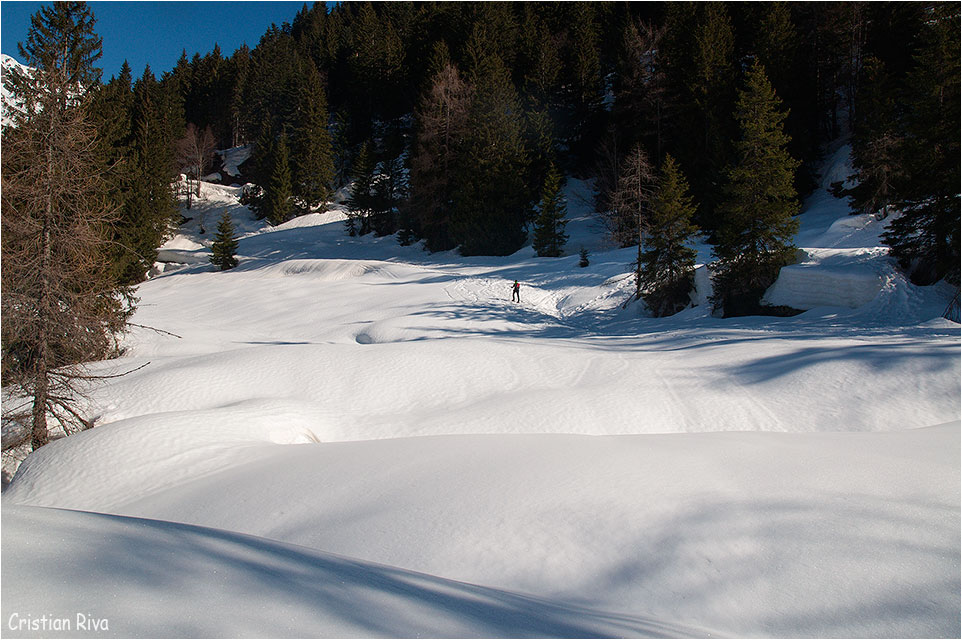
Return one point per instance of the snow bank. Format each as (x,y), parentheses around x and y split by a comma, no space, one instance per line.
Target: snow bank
(831,278)
(745,534)
(127,577)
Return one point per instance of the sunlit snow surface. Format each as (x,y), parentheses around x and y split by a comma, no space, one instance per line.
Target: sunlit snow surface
(580,469)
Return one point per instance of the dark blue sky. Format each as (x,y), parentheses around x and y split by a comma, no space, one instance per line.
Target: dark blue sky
(155,33)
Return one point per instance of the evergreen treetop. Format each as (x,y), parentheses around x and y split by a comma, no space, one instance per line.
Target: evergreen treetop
(549,236)
(756,227)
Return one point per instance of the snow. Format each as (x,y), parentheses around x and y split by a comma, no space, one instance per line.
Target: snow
(233,158)
(344,437)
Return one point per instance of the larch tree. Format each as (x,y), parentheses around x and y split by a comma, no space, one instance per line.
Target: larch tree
(631,206)
(442,120)
(195,151)
(60,306)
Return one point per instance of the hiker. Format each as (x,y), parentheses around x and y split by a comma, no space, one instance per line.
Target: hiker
(516,292)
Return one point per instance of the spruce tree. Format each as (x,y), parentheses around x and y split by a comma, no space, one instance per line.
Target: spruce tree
(668,262)
(313,159)
(756,216)
(150,206)
(360,204)
(491,200)
(549,236)
(277,204)
(713,91)
(225,245)
(925,238)
(877,142)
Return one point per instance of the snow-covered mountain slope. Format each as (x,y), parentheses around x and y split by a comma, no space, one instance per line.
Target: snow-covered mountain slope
(7,102)
(679,476)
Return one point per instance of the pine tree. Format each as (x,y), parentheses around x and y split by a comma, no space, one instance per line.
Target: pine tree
(668,263)
(225,245)
(278,207)
(583,258)
(549,236)
(757,223)
(60,307)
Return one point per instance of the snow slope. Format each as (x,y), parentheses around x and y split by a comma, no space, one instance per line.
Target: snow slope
(365,440)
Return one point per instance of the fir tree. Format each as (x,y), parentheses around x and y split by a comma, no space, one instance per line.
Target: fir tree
(757,223)
(583,258)
(277,197)
(549,236)
(225,245)
(668,263)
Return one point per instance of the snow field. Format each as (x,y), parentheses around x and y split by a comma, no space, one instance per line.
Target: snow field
(359,439)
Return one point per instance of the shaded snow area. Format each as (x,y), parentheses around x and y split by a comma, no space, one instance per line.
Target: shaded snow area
(342,437)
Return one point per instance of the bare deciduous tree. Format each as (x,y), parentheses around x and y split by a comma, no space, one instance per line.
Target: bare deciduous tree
(195,152)
(631,204)
(60,307)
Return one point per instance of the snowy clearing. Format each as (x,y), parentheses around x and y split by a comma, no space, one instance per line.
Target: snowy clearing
(349,438)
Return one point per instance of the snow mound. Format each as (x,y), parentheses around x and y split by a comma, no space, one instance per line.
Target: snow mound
(159,451)
(831,278)
(199,582)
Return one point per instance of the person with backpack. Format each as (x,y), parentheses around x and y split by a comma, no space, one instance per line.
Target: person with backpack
(516,292)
